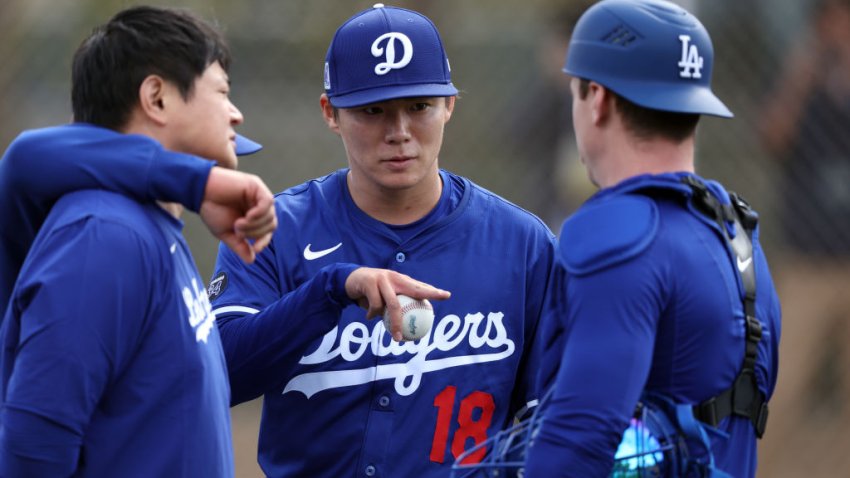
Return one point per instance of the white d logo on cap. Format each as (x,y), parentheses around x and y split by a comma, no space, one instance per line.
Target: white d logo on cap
(391,64)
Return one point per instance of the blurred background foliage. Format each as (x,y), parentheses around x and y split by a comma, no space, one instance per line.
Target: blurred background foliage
(511,133)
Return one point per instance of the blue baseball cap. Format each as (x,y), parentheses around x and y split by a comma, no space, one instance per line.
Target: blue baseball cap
(385,53)
(245,146)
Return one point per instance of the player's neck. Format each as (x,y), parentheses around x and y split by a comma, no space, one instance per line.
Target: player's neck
(396,206)
(641,157)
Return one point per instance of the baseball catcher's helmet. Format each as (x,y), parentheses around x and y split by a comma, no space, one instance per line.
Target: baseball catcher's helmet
(651,52)
(662,440)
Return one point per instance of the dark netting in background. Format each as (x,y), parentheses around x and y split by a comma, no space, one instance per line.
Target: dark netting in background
(511,133)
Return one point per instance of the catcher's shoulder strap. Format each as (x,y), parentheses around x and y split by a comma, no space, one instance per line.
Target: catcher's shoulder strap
(743,398)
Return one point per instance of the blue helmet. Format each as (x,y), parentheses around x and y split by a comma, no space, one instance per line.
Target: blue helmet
(651,52)
(662,440)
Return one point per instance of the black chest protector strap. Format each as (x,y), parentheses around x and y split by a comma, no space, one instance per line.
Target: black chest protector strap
(743,398)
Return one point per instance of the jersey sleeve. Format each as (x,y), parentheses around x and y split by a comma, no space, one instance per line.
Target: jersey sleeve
(549,341)
(611,320)
(47,163)
(265,331)
(79,319)
(538,312)
(42,165)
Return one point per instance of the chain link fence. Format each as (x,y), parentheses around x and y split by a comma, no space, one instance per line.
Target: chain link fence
(780,66)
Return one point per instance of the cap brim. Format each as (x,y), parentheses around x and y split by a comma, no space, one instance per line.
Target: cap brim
(245,146)
(687,99)
(376,95)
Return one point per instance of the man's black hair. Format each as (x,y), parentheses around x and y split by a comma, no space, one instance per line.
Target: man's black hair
(110,65)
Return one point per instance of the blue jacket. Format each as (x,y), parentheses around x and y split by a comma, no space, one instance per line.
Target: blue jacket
(111,362)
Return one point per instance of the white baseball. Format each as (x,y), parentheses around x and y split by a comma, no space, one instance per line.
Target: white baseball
(417,316)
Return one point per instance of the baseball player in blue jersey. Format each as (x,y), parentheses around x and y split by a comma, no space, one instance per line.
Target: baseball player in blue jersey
(341,397)
(666,289)
(111,362)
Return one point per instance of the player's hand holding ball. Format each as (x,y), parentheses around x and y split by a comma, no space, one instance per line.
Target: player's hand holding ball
(386,293)
(417,316)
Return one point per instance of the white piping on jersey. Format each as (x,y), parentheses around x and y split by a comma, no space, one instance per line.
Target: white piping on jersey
(356,339)
(235,308)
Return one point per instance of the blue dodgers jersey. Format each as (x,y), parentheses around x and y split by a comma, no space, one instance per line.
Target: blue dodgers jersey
(662,311)
(41,165)
(110,340)
(355,403)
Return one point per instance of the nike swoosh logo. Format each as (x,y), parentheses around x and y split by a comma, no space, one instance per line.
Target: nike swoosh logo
(313,255)
(742,265)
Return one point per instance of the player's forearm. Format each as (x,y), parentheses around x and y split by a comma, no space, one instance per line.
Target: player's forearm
(179,178)
(35,447)
(576,440)
(44,164)
(262,349)
(580,432)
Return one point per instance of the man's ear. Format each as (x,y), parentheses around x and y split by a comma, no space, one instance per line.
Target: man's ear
(329,114)
(601,102)
(153,99)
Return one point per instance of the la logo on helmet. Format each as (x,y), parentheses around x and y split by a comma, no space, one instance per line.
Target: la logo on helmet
(391,64)
(691,62)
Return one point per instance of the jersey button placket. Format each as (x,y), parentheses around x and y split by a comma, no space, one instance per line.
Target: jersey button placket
(370,470)
(400,257)
(384,401)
